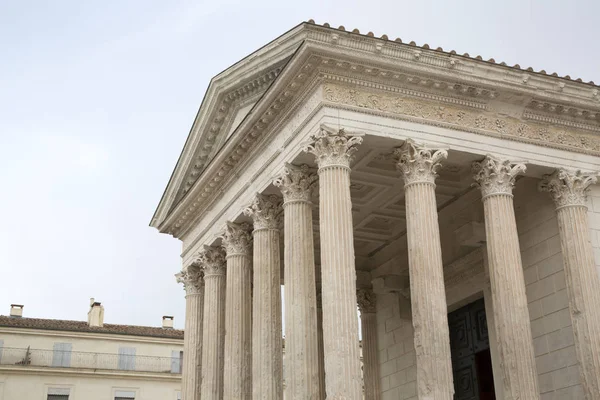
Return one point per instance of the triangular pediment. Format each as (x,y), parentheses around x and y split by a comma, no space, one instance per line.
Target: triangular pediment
(248,98)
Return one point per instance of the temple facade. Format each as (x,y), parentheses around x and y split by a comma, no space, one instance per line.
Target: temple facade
(452,200)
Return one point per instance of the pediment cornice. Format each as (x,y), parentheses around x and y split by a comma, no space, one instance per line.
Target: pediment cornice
(394,71)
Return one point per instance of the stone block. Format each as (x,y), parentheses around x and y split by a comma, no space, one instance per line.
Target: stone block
(395,351)
(546,382)
(406,360)
(560,339)
(551,265)
(531,275)
(565,377)
(555,302)
(535,310)
(557,320)
(540,345)
(391,394)
(398,379)
(388,368)
(571,393)
(540,289)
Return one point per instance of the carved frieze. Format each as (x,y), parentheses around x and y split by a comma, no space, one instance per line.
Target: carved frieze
(461,117)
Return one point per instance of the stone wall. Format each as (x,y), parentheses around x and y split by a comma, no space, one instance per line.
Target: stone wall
(546,293)
(396,348)
(547,297)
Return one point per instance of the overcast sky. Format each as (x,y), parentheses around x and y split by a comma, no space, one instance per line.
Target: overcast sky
(97,98)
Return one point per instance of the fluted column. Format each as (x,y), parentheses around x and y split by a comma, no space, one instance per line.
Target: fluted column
(418,165)
(333,151)
(212,260)
(320,344)
(192,278)
(301,350)
(495,177)
(237,241)
(569,191)
(267,355)
(370,352)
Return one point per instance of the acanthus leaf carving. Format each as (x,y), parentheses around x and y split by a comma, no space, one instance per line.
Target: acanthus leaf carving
(367,300)
(237,239)
(419,164)
(568,188)
(496,176)
(212,260)
(265,211)
(192,278)
(333,148)
(296,183)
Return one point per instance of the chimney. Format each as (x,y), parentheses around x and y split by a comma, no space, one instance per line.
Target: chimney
(96,314)
(167,322)
(16,310)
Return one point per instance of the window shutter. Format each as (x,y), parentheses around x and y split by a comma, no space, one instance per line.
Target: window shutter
(1,347)
(61,355)
(175,362)
(127,358)
(124,395)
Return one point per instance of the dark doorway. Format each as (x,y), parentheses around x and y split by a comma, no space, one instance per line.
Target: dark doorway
(471,358)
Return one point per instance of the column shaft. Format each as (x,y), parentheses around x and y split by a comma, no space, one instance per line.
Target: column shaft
(238,329)
(267,355)
(340,327)
(301,347)
(511,315)
(213,327)
(427,290)
(370,353)
(321,355)
(191,373)
(569,190)
(428,294)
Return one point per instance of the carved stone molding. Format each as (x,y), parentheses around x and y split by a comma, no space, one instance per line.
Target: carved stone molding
(296,183)
(265,211)
(367,300)
(192,278)
(237,239)
(333,148)
(212,260)
(568,188)
(419,164)
(454,116)
(495,176)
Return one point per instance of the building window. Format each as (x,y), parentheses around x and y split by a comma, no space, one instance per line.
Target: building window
(176,361)
(61,355)
(124,395)
(178,395)
(58,394)
(127,358)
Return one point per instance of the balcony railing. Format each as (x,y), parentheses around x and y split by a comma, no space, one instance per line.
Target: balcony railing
(97,361)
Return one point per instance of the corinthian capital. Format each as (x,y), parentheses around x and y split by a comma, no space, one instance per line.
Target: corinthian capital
(192,278)
(265,211)
(296,183)
(366,300)
(418,163)
(496,176)
(568,188)
(333,148)
(237,239)
(212,260)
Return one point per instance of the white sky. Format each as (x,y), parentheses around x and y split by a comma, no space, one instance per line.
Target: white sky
(97,98)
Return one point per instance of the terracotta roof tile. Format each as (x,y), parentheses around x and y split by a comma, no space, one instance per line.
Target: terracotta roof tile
(453,52)
(82,326)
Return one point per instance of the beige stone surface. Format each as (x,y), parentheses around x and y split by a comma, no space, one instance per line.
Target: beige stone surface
(333,151)
(267,356)
(237,369)
(301,341)
(212,260)
(495,177)
(367,305)
(569,191)
(419,165)
(191,373)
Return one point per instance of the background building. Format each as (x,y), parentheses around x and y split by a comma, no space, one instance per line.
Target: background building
(49,359)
